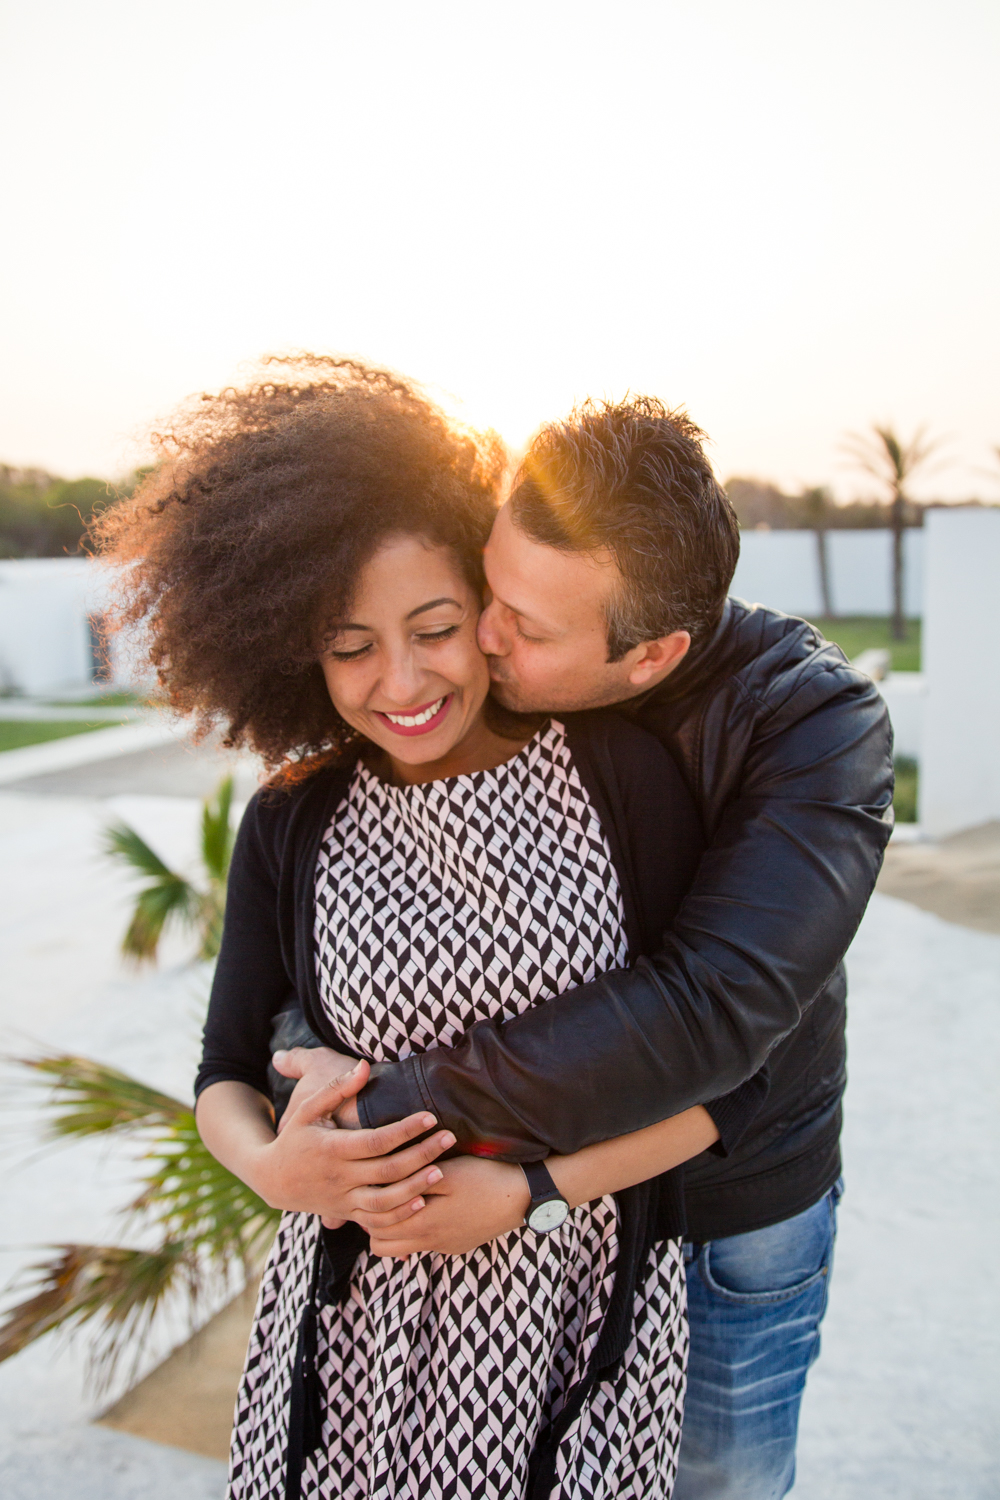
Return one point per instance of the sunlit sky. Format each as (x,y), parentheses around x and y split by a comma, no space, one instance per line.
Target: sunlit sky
(780,213)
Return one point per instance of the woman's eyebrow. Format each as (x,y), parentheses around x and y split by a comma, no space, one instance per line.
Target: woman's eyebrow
(422,608)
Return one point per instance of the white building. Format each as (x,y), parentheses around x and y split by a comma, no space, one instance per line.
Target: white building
(51,628)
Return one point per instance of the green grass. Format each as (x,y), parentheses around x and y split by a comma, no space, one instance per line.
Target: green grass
(16,733)
(905,799)
(103,700)
(857,633)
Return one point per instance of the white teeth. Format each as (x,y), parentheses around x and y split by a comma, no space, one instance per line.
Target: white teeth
(411,721)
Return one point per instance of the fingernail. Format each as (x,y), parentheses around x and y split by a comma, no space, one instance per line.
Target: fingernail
(277,1056)
(356,1068)
(434,1175)
(428,1122)
(446,1140)
(417,1205)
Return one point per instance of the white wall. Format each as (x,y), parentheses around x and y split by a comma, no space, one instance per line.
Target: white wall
(781,569)
(44,637)
(960,762)
(905,695)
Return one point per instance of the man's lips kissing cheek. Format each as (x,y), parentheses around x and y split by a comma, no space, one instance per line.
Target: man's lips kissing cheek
(421,720)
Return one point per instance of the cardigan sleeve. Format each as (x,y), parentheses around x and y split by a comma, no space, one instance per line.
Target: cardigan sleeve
(252,983)
(734,1113)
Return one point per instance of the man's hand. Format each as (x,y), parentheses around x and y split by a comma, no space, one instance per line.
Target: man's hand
(475,1201)
(315,1067)
(314,1167)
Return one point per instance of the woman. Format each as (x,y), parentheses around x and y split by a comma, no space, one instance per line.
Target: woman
(308,558)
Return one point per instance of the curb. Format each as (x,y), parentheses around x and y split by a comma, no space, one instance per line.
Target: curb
(81,749)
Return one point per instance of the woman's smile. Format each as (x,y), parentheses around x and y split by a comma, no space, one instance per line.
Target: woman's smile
(421,720)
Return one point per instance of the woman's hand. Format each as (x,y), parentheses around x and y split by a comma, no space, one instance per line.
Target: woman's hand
(475,1201)
(314,1167)
(314,1067)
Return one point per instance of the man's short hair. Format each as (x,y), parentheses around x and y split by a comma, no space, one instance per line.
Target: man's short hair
(632,478)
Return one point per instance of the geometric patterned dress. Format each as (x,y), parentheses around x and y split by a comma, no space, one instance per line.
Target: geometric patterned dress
(437,906)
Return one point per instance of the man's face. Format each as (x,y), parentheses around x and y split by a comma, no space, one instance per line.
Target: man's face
(545,629)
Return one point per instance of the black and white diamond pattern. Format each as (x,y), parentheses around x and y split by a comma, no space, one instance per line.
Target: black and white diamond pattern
(461,900)
(437,906)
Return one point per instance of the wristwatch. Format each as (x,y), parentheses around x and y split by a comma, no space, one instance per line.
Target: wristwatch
(548,1208)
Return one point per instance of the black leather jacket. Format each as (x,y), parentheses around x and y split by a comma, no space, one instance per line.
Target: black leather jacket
(787,750)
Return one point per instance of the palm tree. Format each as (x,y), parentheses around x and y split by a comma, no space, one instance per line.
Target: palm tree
(815,507)
(893,463)
(167,895)
(203,1222)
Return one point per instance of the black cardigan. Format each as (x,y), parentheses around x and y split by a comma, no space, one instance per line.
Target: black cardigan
(267,964)
(267,968)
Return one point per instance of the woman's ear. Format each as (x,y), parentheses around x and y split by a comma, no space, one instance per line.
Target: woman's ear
(655,660)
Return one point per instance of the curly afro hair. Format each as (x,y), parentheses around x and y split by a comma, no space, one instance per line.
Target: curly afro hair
(242,546)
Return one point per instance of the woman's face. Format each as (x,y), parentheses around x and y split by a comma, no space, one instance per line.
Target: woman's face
(404,667)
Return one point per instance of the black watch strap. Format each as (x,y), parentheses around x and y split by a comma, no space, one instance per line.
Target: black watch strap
(548,1208)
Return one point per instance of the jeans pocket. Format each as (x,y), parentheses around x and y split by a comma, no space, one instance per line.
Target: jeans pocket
(756,1299)
(772,1265)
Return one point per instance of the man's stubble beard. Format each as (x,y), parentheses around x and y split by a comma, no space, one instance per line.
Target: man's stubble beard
(511,696)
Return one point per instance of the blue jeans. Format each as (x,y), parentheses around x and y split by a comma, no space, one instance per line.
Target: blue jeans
(755,1302)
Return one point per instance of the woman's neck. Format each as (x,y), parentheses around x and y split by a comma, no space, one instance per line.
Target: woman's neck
(482,748)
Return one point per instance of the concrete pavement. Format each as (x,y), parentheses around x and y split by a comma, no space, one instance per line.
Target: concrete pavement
(901,1405)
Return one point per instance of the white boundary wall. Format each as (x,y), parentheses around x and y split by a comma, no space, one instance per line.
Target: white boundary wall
(960,761)
(45,643)
(905,695)
(781,569)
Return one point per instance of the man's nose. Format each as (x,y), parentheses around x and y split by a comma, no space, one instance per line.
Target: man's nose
(489,634)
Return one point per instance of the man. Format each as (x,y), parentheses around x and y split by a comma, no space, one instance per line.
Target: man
(609,570)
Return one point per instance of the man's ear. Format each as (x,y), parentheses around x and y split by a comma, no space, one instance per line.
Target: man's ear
(654,660)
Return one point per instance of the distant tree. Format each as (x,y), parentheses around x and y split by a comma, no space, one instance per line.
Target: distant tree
(816,504)
(884,456)
(44,516)
(758,503)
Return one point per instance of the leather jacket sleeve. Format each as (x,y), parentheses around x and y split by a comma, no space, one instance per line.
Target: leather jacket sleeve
(792,862)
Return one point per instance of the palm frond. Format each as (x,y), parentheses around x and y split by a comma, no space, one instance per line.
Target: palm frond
(195,1199)
(207,1222)
(166,895)
(89,1098)
(122,842)
(122,1288)
(171,896)
(886,457)
(217,833)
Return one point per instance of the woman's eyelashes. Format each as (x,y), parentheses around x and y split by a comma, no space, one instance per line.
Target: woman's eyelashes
(348,655)
(431,637)
(427,638)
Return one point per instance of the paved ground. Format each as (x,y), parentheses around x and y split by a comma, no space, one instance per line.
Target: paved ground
(902,1403)
(958,878)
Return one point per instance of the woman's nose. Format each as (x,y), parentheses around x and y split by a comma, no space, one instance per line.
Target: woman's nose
(489,633)
(401,679)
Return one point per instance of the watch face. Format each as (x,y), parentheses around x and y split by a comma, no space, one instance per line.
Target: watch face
(548,1216)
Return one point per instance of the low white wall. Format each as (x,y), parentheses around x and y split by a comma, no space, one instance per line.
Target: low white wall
(45,644)
(781,569)
(905,695)
(960,760)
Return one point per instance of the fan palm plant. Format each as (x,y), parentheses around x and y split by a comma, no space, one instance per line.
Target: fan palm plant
(893,463)
(201,1222)
(167,895)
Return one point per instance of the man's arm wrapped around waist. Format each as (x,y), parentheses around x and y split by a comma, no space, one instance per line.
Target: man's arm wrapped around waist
(774,906)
